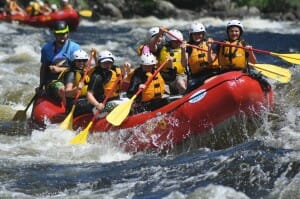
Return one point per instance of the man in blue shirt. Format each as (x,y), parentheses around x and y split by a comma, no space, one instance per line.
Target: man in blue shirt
(55,58)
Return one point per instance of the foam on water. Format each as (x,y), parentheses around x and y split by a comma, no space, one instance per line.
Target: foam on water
(250,24)
(52,146)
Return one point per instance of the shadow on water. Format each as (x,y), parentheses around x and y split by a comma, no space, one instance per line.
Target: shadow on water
(13,128)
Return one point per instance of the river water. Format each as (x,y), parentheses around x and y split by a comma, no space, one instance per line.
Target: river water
(42,164)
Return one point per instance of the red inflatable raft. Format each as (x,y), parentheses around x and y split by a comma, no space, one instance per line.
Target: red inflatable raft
(220,98)
(70,16)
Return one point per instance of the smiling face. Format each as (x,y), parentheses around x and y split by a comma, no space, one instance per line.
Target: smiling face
(106,65)
(197,36)
(159,39)
(175,44)
(61,38)
(234,33)
(80,63)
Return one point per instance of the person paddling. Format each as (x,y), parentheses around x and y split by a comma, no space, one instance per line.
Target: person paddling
(200,63)
(175,50)
(233,58)
(74,82)
(104,78)
(154,41)
(151,97)
(55,58)
(12,7)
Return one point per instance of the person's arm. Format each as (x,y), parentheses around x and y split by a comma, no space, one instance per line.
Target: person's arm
(153,43)
(251,56)
(211,54)
(184,55)
(58,68)
(20,9)
(96,85)
(70,89)
(91,98)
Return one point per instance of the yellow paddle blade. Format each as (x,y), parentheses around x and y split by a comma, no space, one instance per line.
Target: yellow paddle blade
(292,58)
(118,115)
(85,13)
(81,138)
(67,124)
(20,116)
(280,74)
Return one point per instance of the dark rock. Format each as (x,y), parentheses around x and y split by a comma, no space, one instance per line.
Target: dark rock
(289,17)
(199,8)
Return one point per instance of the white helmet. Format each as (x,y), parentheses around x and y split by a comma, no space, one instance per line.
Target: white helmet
(152,32)
(196,27)
(105,56)
(80,54)
(41,3)
(53,6)
(176,33)
(148,59)
(235,23)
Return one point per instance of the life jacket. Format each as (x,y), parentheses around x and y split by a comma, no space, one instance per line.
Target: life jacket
(34,9)
(78,77)
(156,88)
(232,57)
(198,59)
(176,54)
(110,85)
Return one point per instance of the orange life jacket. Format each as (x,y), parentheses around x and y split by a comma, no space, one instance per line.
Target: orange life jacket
(232,57)
(176,54)
(156,88)
(110,85)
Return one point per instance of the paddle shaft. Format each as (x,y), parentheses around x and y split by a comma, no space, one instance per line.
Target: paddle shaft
(81,137)
(191,45)
(254,49)
(237,46)
(106,98)
(117,116)
(152,76)
(31,101)
(104,103)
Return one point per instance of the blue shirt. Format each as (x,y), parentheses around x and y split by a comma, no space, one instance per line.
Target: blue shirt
(49,53)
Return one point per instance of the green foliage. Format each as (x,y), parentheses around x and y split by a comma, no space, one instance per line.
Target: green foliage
(295,3)
(269,5)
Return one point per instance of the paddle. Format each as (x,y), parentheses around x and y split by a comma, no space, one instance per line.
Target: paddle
(86,13)
(118,114)
(81,138)
(68,121)
(292,58)
(271,71)
(21,114)
(280,74)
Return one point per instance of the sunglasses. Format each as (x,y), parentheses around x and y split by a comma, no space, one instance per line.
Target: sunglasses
(81,60)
